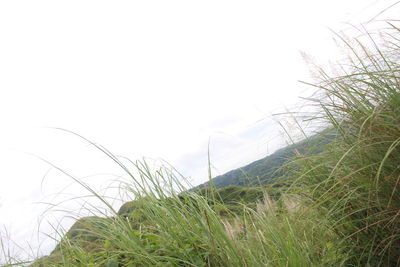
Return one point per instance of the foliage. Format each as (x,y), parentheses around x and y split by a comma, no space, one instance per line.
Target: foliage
(356,180)
(189,229)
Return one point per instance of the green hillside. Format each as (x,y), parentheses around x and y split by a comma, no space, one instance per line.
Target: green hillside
(272,168)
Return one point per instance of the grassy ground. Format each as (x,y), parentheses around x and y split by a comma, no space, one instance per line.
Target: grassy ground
(189,229)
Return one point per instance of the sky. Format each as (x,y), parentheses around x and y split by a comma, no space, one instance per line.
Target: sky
(155,79)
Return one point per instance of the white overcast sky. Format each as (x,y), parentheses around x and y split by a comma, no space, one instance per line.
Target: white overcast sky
(149,78)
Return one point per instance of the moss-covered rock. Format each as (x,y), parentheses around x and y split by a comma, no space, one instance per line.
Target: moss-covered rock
(85,232)
(127,208)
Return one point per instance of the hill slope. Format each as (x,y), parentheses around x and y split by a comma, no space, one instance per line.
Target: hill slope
(271,168)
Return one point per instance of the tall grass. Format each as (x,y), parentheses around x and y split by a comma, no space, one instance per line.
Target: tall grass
(357,179)
(168,225)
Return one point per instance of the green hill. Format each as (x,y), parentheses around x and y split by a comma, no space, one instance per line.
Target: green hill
(272,168)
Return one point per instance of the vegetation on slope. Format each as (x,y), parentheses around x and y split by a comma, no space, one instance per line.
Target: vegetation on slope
(187,229)
(357,179)
(339,207)
(271,169)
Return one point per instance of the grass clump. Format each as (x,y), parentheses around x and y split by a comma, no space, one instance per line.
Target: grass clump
(357,179)
(183,228)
